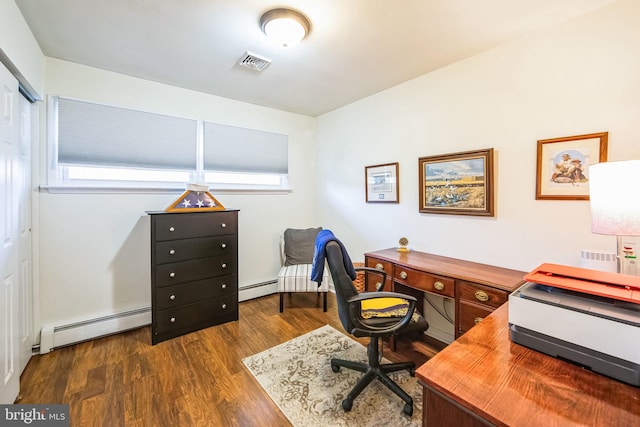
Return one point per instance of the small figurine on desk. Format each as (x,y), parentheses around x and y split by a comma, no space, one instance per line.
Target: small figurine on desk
(403,245)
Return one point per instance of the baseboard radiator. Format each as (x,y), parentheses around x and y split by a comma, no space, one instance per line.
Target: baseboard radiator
(599,260)
(257,290)
(52,337)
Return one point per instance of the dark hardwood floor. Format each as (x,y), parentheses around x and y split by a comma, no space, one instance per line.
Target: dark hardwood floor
(193,380)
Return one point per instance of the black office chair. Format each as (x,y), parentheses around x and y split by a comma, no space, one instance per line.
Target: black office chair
(351,315)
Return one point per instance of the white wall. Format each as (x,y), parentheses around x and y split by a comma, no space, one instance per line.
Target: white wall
(578,78)
(19,47)
(95,247)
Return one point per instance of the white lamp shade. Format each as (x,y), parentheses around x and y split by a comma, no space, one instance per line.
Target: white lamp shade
(614,197)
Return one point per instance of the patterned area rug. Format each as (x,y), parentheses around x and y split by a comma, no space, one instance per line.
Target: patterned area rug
(297,376)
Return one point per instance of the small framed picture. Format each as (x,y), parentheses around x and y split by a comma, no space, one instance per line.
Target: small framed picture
(562,171)
(381,183)
(457,183)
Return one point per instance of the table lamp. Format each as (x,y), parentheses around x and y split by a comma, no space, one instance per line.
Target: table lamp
(615,207)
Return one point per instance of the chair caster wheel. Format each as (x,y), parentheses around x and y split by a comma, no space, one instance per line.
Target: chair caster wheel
(347,404)
(408,409)
(335,368)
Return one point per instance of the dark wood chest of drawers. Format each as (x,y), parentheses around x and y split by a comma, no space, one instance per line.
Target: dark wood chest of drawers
(194,271)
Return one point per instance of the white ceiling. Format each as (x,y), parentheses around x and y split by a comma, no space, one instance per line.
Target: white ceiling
(355,48)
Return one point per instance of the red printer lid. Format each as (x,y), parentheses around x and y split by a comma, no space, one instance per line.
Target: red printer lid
(611,285)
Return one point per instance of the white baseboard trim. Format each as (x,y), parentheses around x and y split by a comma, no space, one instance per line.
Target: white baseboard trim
(263,289)
(258,290)
(52,337)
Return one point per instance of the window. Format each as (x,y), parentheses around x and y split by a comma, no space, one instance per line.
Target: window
(247,157)
(95,145)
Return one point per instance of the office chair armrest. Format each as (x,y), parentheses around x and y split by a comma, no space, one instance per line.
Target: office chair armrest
(372,270)
(355,312)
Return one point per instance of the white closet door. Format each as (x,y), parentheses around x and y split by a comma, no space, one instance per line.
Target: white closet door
(25,258)
(10,184)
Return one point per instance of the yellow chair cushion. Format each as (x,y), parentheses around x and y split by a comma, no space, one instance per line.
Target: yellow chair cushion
(386,307)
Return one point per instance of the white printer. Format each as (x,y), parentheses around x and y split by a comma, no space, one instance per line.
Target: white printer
(587,317)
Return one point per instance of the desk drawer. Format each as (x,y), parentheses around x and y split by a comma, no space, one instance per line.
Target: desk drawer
(424,281)
(373,280)
(480,294)
(471,315)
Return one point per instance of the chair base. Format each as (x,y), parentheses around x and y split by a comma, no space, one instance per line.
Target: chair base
(372,370)
(324,300)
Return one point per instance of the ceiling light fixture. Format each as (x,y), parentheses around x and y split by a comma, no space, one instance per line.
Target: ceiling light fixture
(286,26)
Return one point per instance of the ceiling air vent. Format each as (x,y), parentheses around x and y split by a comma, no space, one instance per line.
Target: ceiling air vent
(253,61)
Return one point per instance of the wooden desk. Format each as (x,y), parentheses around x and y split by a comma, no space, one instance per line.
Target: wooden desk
(478,289)
(485,379)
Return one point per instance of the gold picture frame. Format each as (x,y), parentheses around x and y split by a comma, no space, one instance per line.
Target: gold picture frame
(562,170)
(457,183)
(382,183)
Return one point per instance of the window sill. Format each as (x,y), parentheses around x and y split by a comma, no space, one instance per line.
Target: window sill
(102,189)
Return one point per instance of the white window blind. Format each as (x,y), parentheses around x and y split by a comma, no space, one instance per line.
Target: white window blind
(234,149)
(96,146)
(100,135)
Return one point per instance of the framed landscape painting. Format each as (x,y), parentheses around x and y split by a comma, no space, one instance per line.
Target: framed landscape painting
(457,183)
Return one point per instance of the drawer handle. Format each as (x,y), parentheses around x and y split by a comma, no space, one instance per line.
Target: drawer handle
(224,306)
(172,252)
(172,297)
(224,266)
(172,274)
(477,320)
(403,275)
(171,229)
(224,286)
(481,296)
(224,245)
(172,320)
(439,286)
(223,225)
(379,266)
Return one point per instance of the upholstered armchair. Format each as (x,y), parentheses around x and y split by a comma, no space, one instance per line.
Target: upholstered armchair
(296,250)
